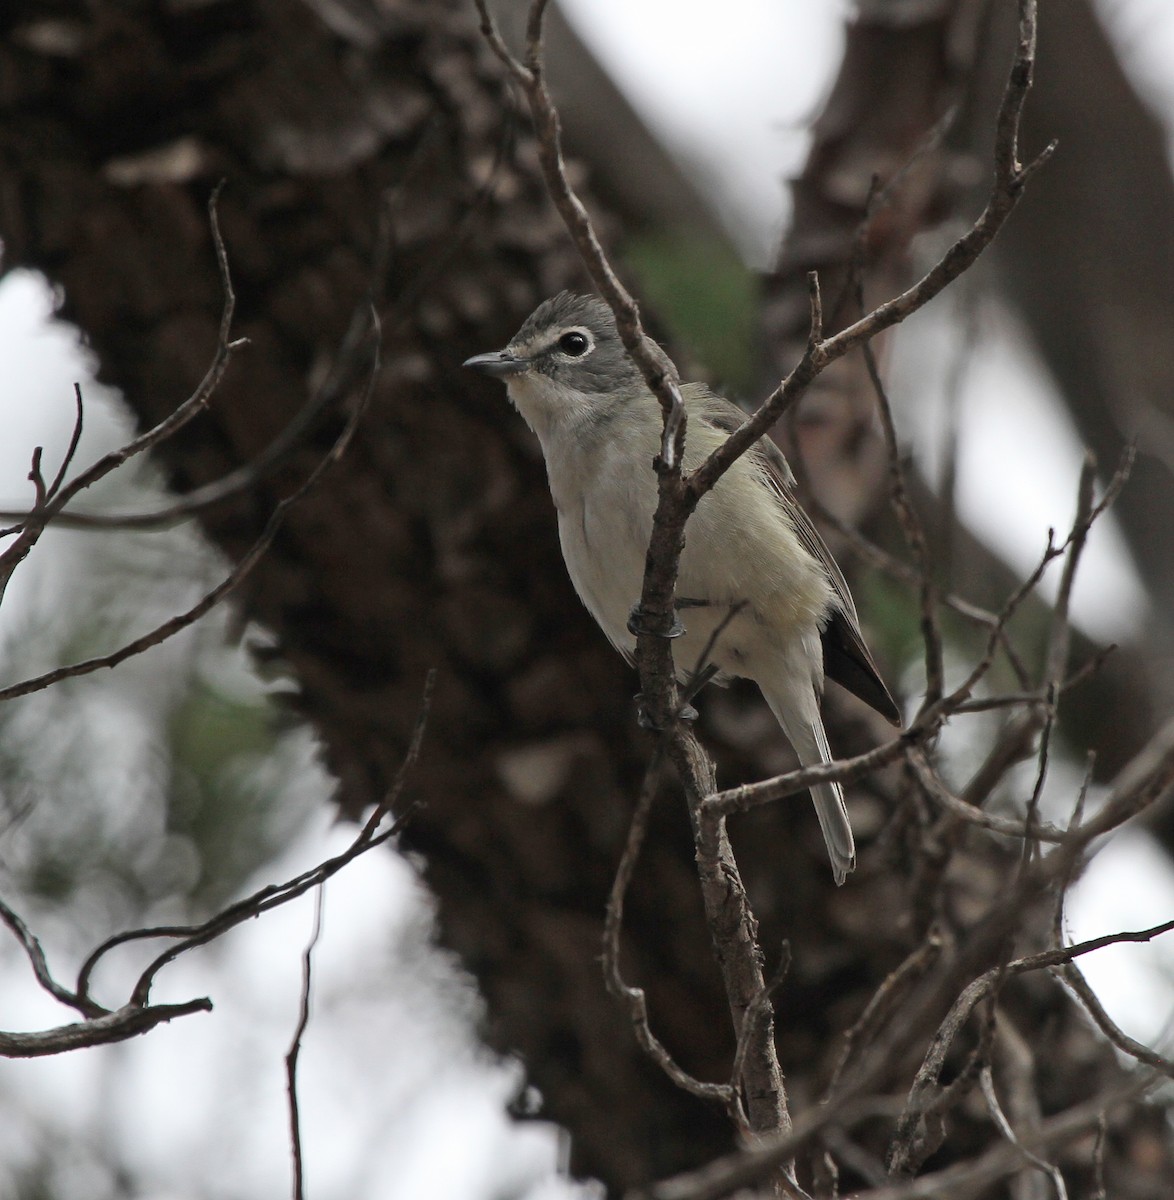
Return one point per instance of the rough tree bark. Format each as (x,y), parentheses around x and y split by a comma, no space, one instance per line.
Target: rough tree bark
(435,544)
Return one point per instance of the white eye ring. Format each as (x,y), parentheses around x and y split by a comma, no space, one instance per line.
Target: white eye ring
(575,343)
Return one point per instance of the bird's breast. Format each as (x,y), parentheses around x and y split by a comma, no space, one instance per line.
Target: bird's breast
(749,582)
(605,504)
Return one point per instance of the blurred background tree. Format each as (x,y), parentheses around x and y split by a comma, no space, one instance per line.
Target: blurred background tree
(434,545)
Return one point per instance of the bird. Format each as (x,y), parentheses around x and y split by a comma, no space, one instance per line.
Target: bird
(752,557)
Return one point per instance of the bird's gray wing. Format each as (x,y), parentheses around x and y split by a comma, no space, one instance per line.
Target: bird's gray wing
(845,656)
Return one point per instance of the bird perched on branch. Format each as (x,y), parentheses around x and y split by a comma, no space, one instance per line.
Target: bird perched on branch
(750,550)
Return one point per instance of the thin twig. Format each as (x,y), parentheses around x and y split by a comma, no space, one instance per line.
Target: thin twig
(240,571)
(884,1000)
(633,998)
(295,1048)
(761,1009)
(1098,1160)
(1028,829)
(1056,658)
(36,956)
(725,1176)
(343,372)
(702,672)
(1074,978)
(907,518)
(138,1016)
(48,503)
(74,441)
(994,1108)
(273,896)
(915,539)
(1006,191)
(32,523)
(192,406)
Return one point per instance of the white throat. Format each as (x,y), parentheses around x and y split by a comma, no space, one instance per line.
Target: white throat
(548,407)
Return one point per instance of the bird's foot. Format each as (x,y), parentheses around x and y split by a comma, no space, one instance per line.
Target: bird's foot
(638,619)
(644,719)
(638,623)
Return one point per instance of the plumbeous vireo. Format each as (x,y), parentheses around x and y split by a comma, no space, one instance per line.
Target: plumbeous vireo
(748,543)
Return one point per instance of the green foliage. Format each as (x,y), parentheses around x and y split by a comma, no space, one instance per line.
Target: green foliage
(894,622)
(707,297)
(216,794)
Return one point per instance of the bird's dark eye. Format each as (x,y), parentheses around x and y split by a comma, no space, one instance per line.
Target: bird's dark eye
(574,343)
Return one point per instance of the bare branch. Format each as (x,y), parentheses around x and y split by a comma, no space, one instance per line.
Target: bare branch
(734,931)
(127,1022)
(1057,654)
(759,1012)
(815,321)
(920,1128)
(496,43)
(994,1108)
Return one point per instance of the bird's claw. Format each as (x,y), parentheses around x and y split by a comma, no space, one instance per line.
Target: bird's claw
(685,713)
(638,624)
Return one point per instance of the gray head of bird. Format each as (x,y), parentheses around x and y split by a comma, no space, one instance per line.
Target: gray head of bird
(566,362)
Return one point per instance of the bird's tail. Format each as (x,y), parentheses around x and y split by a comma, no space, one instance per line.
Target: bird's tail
(803,726)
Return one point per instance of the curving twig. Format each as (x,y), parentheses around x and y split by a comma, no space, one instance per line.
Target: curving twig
(633,998)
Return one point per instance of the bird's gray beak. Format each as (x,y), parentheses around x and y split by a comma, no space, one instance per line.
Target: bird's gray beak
(500,364)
